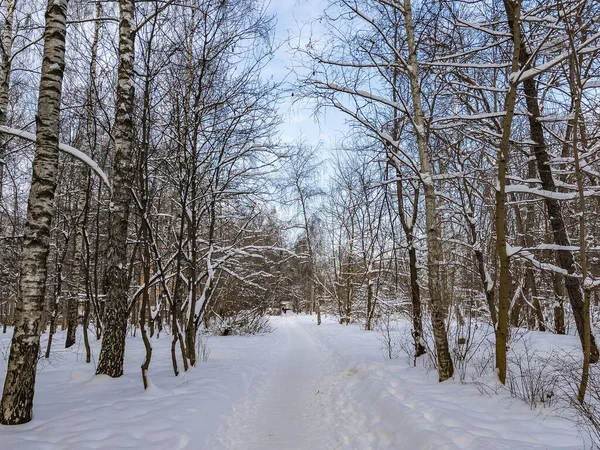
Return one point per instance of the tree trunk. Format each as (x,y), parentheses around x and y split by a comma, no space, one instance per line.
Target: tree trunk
(576,86)
(145,299)
(513,11)
(434,245)
(57,295)
(17,399)
(559,310)
(115,317)
(525,240)
(7,40)
(73,292)
(369,299)
(540,151)
(415,290)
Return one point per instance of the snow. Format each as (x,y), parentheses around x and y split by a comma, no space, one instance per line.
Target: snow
(534,71)
(427,180)
(64,148)
(591,283)
(76,410)
(526,254)
(590,84)
(414,411)
(481,27)
(547,194)
(489,284)
(366,95)
(289,412)
(300,387)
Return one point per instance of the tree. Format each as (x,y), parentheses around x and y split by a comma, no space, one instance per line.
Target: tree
(17,398)
(304,191)
(376,52)
(5,69)
(513,10)
(115,322)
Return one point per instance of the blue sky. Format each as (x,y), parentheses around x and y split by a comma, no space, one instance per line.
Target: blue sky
(295,19)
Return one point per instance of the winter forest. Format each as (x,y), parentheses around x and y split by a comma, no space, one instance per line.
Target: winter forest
(183,264)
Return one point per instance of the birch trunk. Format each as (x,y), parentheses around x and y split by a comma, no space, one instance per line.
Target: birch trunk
(408,228)
(434,246)
(17,399)
(115,317)
(7,41)
(73,291)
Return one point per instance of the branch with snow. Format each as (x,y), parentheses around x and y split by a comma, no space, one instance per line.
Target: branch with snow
(78,154)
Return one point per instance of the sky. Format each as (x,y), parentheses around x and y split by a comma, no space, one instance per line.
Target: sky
(294,21)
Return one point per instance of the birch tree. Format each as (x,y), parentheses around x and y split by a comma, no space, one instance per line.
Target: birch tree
(115,320)
(5,69)
(304,192)
(17,398)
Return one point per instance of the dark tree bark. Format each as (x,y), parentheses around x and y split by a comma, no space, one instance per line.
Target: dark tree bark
(73,292)
(513,12)
(565,258)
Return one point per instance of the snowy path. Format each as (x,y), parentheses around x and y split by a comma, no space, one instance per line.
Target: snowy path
(290,412)
(328,388)
(301,387)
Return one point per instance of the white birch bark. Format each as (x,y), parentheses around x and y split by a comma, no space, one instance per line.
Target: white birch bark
(7,41)
(17,398)
(113,343)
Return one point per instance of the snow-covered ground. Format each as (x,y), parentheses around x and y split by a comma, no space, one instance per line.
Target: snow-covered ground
(300,387)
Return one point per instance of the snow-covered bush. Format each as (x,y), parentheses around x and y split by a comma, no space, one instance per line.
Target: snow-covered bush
(202,348)
(244,322)
(586,415)
(471,346)
(389,336)
(531,376)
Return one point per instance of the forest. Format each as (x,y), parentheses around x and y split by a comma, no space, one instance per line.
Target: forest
(147,193)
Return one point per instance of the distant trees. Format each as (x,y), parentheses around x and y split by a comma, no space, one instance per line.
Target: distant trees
(467,103)
(300,180)
(386,51)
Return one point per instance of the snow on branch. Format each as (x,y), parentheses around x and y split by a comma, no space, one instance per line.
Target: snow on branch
(584,48)
(591,84)
(490,115)
(62,147)
(482,27)
(547,194)
(366,95)
(522,253)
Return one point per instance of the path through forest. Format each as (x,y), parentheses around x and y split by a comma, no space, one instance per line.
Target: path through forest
(301,387)
(293,409)
(329,388)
